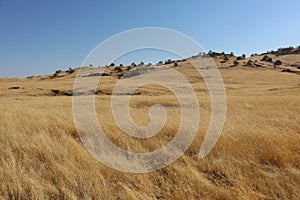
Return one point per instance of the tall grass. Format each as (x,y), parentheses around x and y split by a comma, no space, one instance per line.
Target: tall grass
(257,156)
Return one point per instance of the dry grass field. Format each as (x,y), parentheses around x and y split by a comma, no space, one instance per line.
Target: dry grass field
(256,157)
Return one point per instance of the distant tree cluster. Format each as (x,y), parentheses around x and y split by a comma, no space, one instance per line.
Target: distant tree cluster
(284,51)
(169,61)
(141,63)
(254,54)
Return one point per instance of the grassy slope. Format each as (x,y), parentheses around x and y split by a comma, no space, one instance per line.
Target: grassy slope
(257,156)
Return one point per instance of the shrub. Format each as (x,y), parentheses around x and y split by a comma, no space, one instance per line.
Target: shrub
(112,64)
(120,65)
(277,62)
(175,64)
(266,59)
(269,60)
(243,56)
(70,70)
(249,63)
(57,71)
(118,69)
(235,63)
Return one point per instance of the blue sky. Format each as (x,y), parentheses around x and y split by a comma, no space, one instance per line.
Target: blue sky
(39,36)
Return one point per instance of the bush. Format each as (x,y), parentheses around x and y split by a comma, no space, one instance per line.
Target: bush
(120,65)
(112,64)
(277,62)
(118,69)
(266,59)
(249,63)
(70,70)
(235,63)
(58,71)
(175,64)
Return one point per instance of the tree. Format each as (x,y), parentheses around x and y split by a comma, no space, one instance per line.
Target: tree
(112,64)
(168,61)
(71,71)
(243,56)
(160,63)
(133,64)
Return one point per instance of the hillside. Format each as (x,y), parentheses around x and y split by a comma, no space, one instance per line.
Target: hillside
(256,157)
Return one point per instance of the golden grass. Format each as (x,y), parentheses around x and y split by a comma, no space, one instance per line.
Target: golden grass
(256,157)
